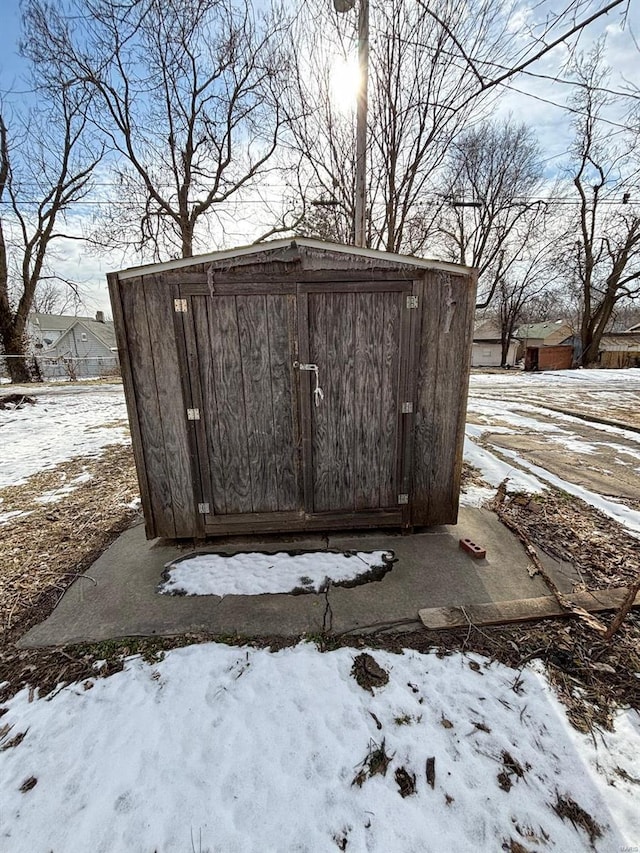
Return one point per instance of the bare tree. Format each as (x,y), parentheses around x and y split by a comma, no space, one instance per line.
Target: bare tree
(416,90)
(433,67)
(54,297)
(187,94)
(524,285)
(45,167)
(492,176)
(602,254)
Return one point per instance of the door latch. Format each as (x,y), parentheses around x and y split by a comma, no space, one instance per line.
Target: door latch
(318,393)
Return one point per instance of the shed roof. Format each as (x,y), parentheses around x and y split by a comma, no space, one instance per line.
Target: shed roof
(293,249)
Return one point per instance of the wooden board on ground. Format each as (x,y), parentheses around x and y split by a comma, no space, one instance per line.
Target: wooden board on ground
(521,610)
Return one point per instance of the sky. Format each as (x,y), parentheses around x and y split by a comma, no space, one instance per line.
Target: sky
(533,99)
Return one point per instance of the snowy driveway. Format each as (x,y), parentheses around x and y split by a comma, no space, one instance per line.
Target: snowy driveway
(547,428)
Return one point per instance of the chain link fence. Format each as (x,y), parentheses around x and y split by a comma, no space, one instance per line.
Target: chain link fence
(44,368)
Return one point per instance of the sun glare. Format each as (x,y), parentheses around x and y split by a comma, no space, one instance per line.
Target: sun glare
(345,83)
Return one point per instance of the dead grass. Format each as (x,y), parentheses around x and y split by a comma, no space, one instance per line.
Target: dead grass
(599,548)
(471,476)
(568,809)
(44,550)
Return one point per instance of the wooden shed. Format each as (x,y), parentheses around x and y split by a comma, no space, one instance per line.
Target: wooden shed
(295,385)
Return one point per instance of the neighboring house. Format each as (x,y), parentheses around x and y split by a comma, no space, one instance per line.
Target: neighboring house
(487,346)
(546,346)
(549,334)
(620,349)
(72,346)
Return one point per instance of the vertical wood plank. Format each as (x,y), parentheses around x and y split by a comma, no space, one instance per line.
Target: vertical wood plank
(449,395)
(411,333)
(366,415)
(467,287)
(168,366)
(341,360)
(390,399)
(227,369)
(209,414)
(134,407)
(425,426)
(281,358)
(258,401)
(148,404)
(305,318)
(192,397)
(321,417)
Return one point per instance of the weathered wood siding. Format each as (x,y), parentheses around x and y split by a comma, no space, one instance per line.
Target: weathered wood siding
(443,375)
(261,456)
(246,355)
(355,338)
(161,442)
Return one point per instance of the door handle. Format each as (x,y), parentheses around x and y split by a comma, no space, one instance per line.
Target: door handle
(318,393)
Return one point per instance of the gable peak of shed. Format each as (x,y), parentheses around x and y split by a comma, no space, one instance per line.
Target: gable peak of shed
(306,252)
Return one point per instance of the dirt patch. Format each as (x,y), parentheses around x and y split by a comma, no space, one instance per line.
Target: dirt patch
(368,672)
(28,784)
(471,476)
(602,472)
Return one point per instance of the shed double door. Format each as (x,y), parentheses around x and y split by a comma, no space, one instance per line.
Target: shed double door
(272,450)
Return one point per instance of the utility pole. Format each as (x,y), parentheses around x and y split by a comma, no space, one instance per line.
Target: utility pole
(361,116)
(361,124)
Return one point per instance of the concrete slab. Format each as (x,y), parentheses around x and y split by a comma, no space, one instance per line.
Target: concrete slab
(117,597)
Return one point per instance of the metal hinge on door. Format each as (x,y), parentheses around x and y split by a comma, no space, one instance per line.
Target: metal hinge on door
(180,306)
(412,301)
(203,509)
(407,408)
(193,414)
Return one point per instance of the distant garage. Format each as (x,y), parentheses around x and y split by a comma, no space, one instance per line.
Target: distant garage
(548,358)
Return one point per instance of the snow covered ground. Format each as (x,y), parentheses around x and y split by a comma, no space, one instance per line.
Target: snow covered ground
(226,749)
(238,750)
(68,420)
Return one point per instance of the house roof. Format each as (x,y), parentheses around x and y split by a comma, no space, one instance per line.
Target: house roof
(53,322)
(103,332)
(487,331)
(292,249)
(542,330)
(624,340)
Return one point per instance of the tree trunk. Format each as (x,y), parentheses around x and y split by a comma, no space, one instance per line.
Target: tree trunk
(187,239)
(593,330)
(505,351)
(13,346)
